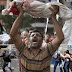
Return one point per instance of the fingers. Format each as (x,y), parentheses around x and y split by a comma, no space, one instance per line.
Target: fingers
(19,6)
(51,8)
(54,8)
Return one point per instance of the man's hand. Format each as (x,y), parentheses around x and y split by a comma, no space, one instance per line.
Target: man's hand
(54,10)
(20,8)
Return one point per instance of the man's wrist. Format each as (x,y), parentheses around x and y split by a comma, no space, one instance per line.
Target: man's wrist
(21,14)
(53,17)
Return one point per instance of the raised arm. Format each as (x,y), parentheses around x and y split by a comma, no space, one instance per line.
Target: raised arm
(59,34)
(15,27)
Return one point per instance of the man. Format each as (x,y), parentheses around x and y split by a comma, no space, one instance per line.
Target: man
(35,58)
(70,65)
(7,61)
(24,36)
(46,40)
(58,60)
(66,60)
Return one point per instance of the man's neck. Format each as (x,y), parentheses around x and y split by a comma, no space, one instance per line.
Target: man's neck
(35,51)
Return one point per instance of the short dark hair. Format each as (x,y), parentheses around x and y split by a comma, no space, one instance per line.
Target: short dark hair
(35,30)
(32,28)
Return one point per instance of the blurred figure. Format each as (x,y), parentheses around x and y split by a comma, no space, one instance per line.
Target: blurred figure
(7,61)
(58,60)
(24,35)
(47,37)
(66,61)
(46,40)
(70,65)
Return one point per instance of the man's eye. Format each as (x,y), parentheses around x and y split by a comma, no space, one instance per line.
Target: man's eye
(32,35)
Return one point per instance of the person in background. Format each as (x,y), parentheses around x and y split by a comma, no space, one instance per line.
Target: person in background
(66,60)
(46,40)
(70,65)
(58,60)
(7,61)
(24,36)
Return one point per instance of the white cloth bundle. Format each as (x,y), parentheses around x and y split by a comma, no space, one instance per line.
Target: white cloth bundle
(40,9)
(67,30)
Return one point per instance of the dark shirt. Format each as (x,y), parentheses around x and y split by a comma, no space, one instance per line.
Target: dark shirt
(6,58)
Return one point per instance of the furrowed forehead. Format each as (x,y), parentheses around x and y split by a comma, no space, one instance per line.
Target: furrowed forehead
(35,33)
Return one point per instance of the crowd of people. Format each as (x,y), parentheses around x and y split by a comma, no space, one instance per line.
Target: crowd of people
(61,59)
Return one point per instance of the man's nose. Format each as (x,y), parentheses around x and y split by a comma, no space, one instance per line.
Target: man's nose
(35,35)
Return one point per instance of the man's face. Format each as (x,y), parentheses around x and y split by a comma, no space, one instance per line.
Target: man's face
(35,40)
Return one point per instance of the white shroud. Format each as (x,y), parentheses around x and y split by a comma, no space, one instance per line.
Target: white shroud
(40,9)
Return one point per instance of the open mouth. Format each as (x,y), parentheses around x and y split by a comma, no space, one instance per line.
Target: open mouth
(34,40)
